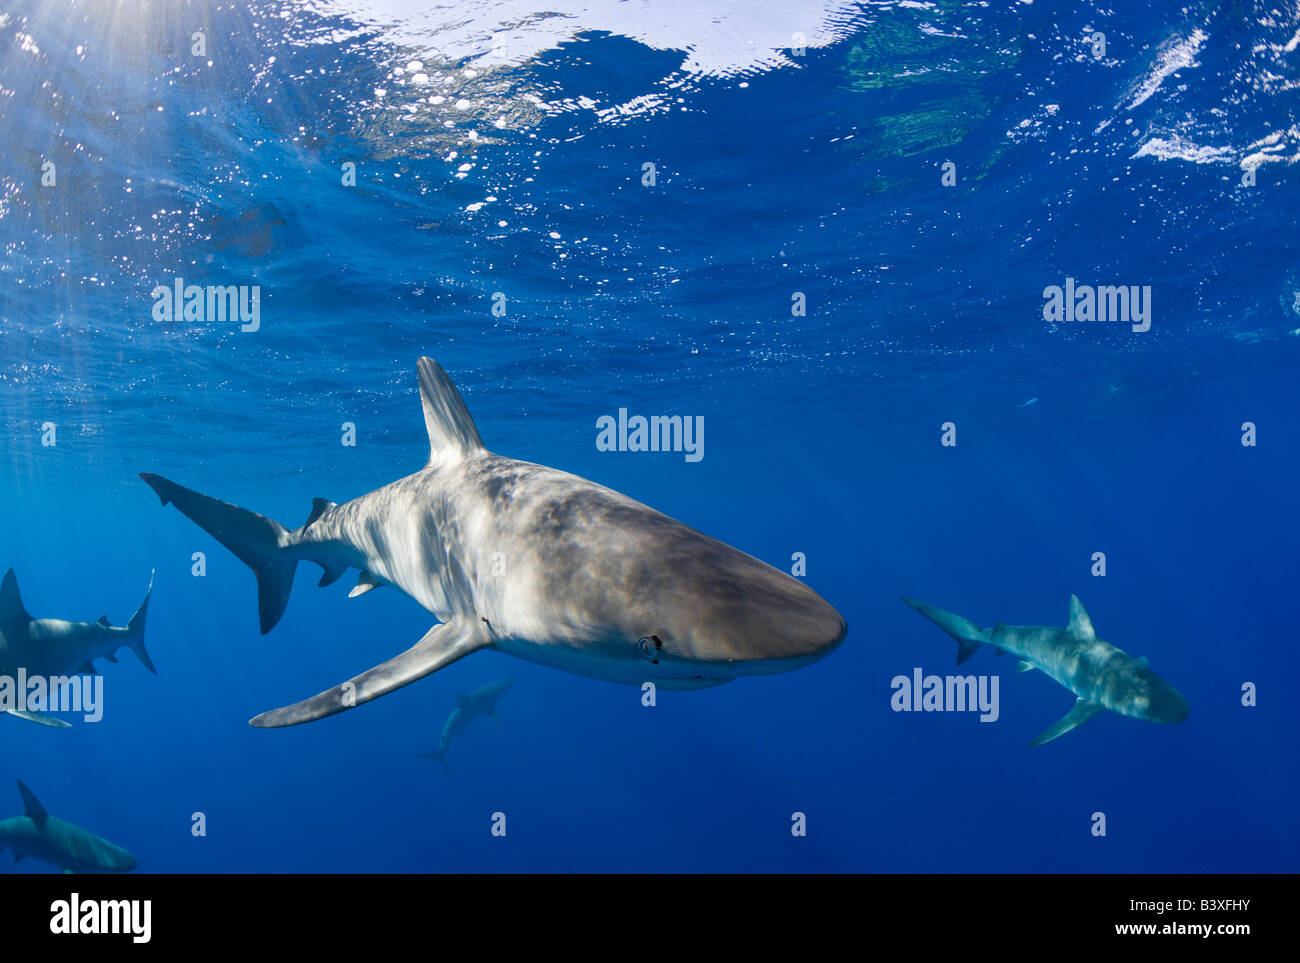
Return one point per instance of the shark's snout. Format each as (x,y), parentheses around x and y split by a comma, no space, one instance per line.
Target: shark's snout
(1168,705)
(125,863)
(792,635)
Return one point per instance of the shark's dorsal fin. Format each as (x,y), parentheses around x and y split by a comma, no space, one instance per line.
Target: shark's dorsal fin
(11,603)
(452,433)
(103,620)
(1080,625)
(32,807)
(319,506)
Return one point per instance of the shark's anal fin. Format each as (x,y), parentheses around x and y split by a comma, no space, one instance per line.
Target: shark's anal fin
(441,645)
(103,620)
(40,718)
(1080,625)
(11,603)
(1083,711)
(32,807)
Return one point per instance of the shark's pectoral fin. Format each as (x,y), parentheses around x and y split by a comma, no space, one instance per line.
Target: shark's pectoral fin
(441,645)
(1083,711)
(1024,667)
(40,718)
(496,717)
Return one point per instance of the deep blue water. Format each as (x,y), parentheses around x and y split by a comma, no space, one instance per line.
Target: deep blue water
(776,174)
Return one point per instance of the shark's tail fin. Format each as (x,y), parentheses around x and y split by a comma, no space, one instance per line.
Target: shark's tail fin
(256,540)
(967,633)
(438,755)
(135,628)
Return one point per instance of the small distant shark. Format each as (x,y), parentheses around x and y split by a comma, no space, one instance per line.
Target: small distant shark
(62,844)
(481,702)
(530,561)
(1100,675)
(53,647)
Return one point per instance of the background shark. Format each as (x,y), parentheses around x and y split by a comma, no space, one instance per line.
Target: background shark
(481,702)
(61,844)
(52,647)
(1101,675)
(594,582)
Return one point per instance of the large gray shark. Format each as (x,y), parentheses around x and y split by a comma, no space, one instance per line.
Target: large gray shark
(530,561)
(1100,675)
(60,843)
(481,702)
(54,647)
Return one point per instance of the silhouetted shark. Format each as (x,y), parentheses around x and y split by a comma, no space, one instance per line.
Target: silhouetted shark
(60,843)
(481,702)
(1099,674)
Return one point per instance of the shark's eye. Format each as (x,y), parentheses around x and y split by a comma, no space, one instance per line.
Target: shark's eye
(649,648)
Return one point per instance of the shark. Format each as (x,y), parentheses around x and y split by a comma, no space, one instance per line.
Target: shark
(58,842)
(55,647)
(1100,675)
(530,561)
(481,702)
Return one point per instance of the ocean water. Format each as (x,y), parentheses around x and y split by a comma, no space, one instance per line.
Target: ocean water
(798,149)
